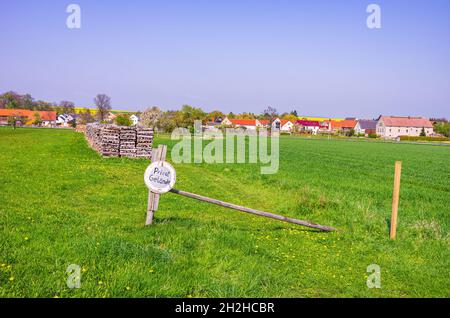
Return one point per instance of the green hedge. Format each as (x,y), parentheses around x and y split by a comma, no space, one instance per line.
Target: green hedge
(422,138)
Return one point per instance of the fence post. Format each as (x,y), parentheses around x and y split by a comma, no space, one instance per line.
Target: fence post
(395,199)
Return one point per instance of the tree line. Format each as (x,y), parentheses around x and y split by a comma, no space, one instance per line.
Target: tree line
(152,117)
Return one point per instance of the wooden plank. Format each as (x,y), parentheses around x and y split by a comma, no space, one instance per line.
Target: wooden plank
(395,199)
(158,154)
(253,211)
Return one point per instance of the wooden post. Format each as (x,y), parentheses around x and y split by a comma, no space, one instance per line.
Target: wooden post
(158,154)
(395,198)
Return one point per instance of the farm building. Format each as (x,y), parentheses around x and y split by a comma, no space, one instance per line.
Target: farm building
(28,116)
(366,126)
(395,126)
(343,126)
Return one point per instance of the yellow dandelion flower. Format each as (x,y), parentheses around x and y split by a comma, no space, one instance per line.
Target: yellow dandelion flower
(11,278)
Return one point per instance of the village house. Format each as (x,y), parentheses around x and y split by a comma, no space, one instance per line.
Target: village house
(27,117)
(251,124)
(343,126)
(65,120)
(365,126)
(212,123)
(283,125)
(134,119)
(396,126)
(264,123)
(325,126)
(310,126)
(111,116)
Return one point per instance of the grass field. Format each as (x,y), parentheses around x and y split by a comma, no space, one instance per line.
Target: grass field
(61,204)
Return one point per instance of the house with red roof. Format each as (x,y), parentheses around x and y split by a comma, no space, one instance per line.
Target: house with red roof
(27,116)
(343,125)
(245,123)
(282,124)
(311,126)
(396,126)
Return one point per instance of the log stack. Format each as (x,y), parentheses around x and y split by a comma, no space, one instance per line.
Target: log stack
(120,141)
(144,141)
(93,132)
(110,139)
(127,142)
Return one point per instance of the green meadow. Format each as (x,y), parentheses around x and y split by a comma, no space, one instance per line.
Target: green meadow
(62,204)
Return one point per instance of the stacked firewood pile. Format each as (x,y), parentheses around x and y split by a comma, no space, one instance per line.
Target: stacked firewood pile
(144,142)
(110,139)
(81,128)
(120,141)
(127,142)
(93,136)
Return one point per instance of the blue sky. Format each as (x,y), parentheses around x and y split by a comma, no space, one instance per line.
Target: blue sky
(317,57)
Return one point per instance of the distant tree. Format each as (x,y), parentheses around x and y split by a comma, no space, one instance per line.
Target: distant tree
(294,112)
(28,102)
(167,122)
(215,114)
(11,100)
(43,105)
(270,113)
(290,117)
(123,120)
(37,119)
(442,127)
(103,103)
(150,116)
(422,132)
(231,115)
(86,116)
(350,133)
(189,114)
(12,121)
(245,116)
(67,107)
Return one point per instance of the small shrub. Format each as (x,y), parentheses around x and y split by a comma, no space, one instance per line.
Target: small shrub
(123,120)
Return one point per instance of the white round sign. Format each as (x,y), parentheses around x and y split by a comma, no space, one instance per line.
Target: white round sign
(160,177)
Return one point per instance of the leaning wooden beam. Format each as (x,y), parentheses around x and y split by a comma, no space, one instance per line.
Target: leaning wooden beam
(253,211)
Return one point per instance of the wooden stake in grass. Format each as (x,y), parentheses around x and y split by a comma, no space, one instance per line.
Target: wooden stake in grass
(158,154)
(395,198)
